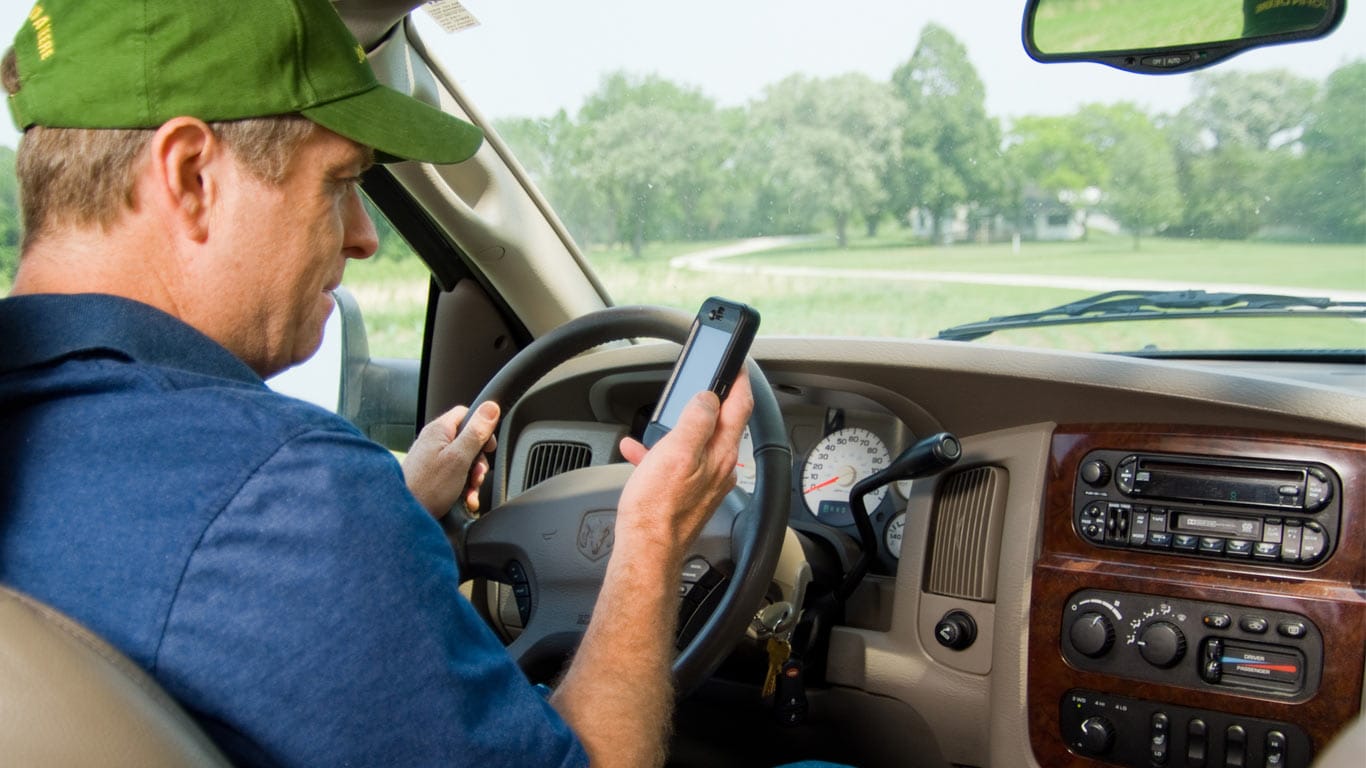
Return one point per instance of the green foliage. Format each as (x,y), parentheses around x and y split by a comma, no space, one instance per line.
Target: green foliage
(951,149)
(10,234)
(1140,189)
(825,146)
(1326,193)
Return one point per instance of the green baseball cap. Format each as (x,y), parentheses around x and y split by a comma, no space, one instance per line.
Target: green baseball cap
(139,63)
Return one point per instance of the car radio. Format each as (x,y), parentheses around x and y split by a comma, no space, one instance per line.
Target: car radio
(1275,512)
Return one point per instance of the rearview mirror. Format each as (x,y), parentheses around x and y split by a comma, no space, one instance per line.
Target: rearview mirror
(1168,36)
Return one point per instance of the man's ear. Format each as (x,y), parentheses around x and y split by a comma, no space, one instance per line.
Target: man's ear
(181,174)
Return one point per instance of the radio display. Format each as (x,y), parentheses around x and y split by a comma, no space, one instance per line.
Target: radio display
(1243,485)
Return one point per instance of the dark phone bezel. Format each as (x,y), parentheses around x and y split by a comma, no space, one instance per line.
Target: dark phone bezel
(740,322)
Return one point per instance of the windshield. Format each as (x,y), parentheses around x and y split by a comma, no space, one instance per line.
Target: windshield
(895,169)
(900,169)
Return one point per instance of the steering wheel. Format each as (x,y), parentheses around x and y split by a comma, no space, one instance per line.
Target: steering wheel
(552,542)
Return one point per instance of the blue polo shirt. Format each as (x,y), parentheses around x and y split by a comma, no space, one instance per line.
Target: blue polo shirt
(257,555)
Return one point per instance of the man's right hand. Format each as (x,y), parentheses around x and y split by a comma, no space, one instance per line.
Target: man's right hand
(681,480)
(618,693)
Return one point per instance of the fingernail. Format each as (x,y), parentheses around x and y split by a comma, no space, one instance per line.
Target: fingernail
(488,410)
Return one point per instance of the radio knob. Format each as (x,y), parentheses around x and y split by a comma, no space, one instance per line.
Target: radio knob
(1092,634)
(1162,644)
(1095,473)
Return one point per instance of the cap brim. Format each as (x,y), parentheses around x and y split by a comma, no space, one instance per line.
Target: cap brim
(398,127)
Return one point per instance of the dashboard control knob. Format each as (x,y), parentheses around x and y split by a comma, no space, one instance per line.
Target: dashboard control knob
(1092,634)
(1095,472)
(1162,644)
(956,630)
(1097,735)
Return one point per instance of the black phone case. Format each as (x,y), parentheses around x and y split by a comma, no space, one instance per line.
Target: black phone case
(740,322)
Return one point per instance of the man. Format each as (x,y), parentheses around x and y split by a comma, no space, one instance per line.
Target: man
(188,178)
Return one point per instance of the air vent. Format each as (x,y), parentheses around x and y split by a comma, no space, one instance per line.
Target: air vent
(966,534)
(553,458)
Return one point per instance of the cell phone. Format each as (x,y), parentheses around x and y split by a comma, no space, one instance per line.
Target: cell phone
(716,347)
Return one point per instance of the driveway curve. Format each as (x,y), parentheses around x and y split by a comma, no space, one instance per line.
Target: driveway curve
(714,260)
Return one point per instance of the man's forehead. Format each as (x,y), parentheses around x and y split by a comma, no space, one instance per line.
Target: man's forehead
(343,152)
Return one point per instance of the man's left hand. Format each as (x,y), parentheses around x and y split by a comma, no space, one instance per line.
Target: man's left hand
(442,467)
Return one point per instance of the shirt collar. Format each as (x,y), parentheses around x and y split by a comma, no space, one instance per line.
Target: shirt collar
(43,328)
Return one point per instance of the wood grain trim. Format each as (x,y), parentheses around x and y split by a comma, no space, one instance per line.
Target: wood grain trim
(1331,595)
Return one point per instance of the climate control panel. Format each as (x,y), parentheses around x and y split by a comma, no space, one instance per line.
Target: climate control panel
(1194,644)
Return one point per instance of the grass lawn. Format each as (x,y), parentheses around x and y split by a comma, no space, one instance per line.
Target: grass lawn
(864,307)
(393,291)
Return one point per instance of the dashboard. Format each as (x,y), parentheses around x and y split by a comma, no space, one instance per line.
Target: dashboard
(1161,563)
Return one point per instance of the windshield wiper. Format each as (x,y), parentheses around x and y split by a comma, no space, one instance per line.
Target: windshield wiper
(1159,305)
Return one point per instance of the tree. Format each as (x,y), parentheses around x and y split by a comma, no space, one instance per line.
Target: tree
(1140,190)
(1327,196)
(1235,143)
(653,152)
(1255,110)
(951,150)
(1050,155)
(827,144)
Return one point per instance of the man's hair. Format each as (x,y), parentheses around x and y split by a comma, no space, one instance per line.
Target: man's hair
(85,176)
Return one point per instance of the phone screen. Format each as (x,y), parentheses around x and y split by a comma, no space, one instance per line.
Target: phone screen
(696,373)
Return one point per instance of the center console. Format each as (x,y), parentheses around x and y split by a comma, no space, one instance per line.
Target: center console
(1196,601)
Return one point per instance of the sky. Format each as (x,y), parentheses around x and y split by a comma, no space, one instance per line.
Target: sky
(731,49)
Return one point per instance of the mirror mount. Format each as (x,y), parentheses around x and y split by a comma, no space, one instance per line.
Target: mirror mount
(1163,37)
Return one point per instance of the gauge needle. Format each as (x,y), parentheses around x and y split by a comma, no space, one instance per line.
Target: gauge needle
(819,486)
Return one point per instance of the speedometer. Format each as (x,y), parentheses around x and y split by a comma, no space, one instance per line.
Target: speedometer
(839,460)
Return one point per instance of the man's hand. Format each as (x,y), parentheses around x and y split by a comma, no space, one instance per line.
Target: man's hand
(682,479)
(618,692)
(442,467)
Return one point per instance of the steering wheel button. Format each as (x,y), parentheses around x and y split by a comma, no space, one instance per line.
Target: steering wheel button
(694,570)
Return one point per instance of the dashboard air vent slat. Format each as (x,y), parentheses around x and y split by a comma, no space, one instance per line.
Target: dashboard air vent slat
(552,458)
(966,534)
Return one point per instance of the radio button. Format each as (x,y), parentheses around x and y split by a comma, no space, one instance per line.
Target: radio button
(1157,519)
(1138,532)
(1266,550)
(1185,541)
(1238,548)
(1271,530)
(1124,475)
(1290,544)
(1313,543)
(1159,540)
(1211,546)
(1317,490)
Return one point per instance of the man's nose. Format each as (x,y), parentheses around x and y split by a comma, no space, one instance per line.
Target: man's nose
(360,238)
